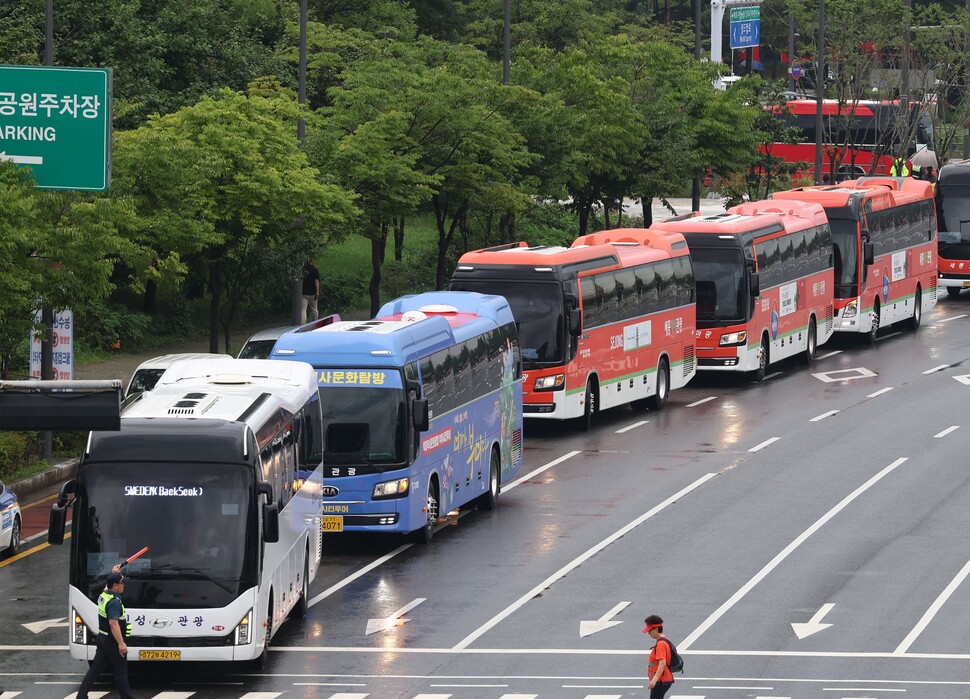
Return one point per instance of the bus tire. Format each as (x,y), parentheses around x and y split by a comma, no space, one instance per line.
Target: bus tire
(659,399)
(952,291)
(914,322)
(589,409)
(869,339)
(425,534)
(489,500)
(262,662)
(758,375)
(811,344)
(302,607)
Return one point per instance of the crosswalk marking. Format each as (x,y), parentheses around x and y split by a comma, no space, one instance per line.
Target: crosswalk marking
(349,695)
(8,695)
(522,696)
(91,695)
(173,695)
(604,696)
(257,695)
(433,696)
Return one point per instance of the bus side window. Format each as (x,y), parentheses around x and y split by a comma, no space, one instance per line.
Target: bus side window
(591,303)
(649,300)
(444,382)
(684,276)
(606,291)
(510,338)
(626,294)
(666,284)
(429,387)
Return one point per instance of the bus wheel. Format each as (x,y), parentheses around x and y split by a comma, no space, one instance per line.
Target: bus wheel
(808,356)
(426,533)
(489,500)
(262,662)
(952,291)
(659,399)
(758,375)
(303,604)
(870,337)
(914,322)
(586,421)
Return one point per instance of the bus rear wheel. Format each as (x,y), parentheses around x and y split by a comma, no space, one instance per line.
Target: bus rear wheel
(489,500)
(914,322)
(659,399)
(811,344)
(426,533)
(952,291)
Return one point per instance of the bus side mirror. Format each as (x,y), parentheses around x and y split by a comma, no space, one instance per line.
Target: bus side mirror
(58,518)
(575,321)
(271,523)
(869,252)
(754,284)
(420,418)
(265,489)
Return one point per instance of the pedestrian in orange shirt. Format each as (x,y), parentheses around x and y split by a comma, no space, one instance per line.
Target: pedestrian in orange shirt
(659,674)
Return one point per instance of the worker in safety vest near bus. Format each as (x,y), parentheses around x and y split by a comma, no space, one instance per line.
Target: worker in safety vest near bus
(899,168)
(113,632)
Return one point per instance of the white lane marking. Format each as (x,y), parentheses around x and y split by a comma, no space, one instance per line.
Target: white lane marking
(348,695)
(448,696)
(824,415)
(773,375)
(363,571)
(881,391)
(520,696)
(701,401)
(588,628)
(632,427)
(533,474)
(934,608)
(936,368)
(844,375)
(11,695)
(335,684)
(576,562)
(767,442)
(597,696)
(261,695)
(886,337)
(404,547)
(784,553)
(947,320)
(395,619)
(829,354)
(91,695)
(860,689)
(945,432)
(173,695)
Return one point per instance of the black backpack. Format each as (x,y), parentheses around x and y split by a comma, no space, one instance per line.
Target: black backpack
(676,661)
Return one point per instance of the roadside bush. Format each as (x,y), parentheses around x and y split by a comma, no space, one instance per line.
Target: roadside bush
(111,325)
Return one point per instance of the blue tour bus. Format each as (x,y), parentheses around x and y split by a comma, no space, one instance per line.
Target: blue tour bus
(422,409)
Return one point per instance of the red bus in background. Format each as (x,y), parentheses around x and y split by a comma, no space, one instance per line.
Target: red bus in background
(884,230)
(764,277)
(953,217)
(605,322)
(872,130)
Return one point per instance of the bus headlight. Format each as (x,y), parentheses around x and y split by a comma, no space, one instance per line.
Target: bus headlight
(550,383)
(241,636)
(392,489)
(79,631)
(851,309)
(729,339)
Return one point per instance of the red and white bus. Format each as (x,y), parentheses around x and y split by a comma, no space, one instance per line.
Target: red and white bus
(953,217)
(859,139)
(884,230)
(605,322)
(764,277)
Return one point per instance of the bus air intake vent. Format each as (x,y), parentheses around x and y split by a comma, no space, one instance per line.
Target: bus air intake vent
(192,404)
(688,360)
(829,318)
(516,447)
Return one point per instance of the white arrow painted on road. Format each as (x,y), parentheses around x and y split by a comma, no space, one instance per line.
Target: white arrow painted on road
(814,624)
(375,625)
(38,626)
(22,159)
(964,379)
(588,628)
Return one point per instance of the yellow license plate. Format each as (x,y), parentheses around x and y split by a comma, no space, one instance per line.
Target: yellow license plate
(966,285)
(333,524)
(159,655)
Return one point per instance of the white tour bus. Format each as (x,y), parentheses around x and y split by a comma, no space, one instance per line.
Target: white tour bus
(218,472)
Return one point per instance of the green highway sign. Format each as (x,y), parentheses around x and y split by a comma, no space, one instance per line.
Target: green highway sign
(57,122)
(745,14)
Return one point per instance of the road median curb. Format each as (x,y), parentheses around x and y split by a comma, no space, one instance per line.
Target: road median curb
(57,473)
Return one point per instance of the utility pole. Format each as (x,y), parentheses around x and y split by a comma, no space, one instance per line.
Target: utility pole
(46,312)
(695,185)
(902,116)
(819,91)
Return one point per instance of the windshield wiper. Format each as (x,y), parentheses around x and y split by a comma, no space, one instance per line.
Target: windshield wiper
(168,567)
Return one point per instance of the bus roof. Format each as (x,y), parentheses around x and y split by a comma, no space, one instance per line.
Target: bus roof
(172,441)
(404,330)
(746,220)
(956,173)
(830,107)
(879,192)
(656,244)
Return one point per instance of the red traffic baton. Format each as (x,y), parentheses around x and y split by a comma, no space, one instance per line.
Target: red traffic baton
(131,558)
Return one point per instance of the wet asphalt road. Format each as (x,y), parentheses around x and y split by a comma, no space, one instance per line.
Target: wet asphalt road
(835,495)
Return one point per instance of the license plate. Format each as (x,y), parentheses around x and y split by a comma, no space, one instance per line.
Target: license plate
(966,285)
(333,524)
(159,655)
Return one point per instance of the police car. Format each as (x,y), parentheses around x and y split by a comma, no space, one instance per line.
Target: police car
(10,521)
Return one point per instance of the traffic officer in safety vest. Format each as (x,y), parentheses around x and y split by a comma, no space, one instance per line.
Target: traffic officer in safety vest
(113,632)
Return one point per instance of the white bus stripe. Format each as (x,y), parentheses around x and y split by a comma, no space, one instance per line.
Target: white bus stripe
(699,402)
(632,427)
(945,432)
(934,608)
(778,559)
(767,442)
(576,562)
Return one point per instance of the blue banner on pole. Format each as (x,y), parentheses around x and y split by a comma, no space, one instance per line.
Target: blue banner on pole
(745,27)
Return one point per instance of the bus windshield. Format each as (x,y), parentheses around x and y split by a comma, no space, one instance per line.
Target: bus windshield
(845,239)
(196,519)
(364,425)
(719,278)
(955,218)
(538,313)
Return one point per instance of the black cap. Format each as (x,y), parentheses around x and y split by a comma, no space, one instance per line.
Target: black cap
(114,578)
